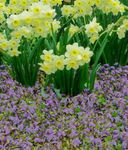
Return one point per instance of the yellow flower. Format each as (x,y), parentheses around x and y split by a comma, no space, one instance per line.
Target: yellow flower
(92,30)
(14,43)
(93,27)
(125,22)
(55,25)
(37,17)
(14,52)
(25,31)
(83,7)
(73,29)
(48,68)
(59,62)
(67,10)
(39,31)
(122,29)
(78,3)
(16,34)
(94,38)
(36,8)
(4,45)
(86,55)
(47,56)
(71,64)
(108,6)
(73,51)
(13,22)
(121,32)
(48,13)
(27,17)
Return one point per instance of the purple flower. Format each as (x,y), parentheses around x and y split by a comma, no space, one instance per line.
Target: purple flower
(91,124)
(38,140)
(73,133)
(61,133)
(76,142)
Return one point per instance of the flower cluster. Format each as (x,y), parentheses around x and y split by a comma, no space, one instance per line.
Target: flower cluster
(74,57)
(38,16)
(77,56)
(108,6)
(122,29)
(92,30)
(33,120)
(9,46)
(85,7)
(16,7)
(38,20)
(80,5)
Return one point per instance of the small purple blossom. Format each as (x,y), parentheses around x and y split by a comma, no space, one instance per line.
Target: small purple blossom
(76,142)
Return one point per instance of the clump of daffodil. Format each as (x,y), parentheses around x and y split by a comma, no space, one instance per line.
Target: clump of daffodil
(28,24)
(37,20)
(47,65)
(92,30)
(77,56)
(16,7)
(9,46)
(74,57)
(51,63)
(83,7)
(122,29)
(108,6)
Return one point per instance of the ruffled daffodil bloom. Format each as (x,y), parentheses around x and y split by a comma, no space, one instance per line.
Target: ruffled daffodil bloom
(59,62)
(14,52)
(47,56)
(93,29)
(86,55)
(48,68)
(73,51)
(71,64)
(122,29)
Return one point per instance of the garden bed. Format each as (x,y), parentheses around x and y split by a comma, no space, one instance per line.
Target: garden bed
(37,119)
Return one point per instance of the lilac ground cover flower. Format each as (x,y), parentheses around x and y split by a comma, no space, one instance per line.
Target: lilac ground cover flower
(94,120)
